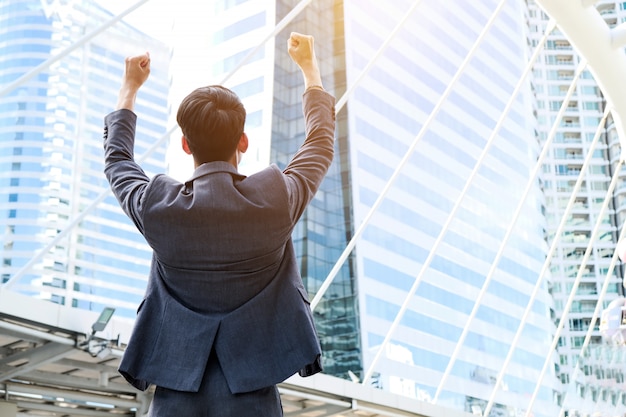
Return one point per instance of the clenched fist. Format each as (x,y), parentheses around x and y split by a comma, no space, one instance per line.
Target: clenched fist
(136,72)
(302,52)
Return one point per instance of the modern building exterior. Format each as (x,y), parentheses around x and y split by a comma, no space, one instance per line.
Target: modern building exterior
(51,154)
(598,384)
(388,111)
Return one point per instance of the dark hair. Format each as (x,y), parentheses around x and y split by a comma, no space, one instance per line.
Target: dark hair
(212,120)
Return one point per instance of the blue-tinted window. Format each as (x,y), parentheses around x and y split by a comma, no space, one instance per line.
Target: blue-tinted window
(229,63)
(429,325)
(395,243)
(254,119)
(238,28)
(249,88)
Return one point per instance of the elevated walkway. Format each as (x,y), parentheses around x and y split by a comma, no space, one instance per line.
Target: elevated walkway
(50,366)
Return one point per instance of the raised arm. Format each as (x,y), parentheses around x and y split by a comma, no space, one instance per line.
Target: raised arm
(302,51)
(307,169)
(127,179)
(135,74)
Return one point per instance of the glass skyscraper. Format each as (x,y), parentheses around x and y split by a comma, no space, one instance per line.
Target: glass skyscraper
(51,155)
(388,111)
(327,226)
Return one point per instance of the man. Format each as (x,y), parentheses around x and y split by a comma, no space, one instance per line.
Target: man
(225,316)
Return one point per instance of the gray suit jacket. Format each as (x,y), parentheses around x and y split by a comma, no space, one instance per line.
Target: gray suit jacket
(223,274)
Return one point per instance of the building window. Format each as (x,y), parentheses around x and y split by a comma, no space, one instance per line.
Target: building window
(238,28)
(249,88)
(229,63)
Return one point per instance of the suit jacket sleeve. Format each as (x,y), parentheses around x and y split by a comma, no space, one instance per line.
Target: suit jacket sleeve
(128,181)
(307,169)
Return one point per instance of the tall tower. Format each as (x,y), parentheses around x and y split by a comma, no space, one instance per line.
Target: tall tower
(327,225)
(599,383)
(409,238)
(56,244)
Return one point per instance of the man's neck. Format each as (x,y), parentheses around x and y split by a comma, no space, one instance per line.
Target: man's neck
(234,161)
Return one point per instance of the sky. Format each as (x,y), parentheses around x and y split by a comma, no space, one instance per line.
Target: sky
(181,25)
(186,26)
(155,17)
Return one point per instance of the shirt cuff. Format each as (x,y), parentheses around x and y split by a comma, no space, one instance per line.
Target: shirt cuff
(314,87)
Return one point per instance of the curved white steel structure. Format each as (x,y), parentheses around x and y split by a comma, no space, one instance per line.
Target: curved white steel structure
(587,31)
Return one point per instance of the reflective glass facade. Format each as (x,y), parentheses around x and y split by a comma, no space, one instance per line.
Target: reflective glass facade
(51,155)
(326,227)
(386,114)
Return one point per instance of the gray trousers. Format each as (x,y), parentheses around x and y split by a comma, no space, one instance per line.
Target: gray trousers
(214,399)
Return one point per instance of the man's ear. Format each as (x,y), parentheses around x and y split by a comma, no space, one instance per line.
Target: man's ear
(185,145)
(242,146)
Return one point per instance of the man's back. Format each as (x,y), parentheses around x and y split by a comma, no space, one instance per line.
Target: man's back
(225,316)
(223,265)
(220,237)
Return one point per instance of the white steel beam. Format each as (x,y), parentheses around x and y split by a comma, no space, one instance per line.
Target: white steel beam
(588,3)
(72,395)
(50,352)
(618,36)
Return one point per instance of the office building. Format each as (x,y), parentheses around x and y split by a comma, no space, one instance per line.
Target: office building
(59,243)
(598,384)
